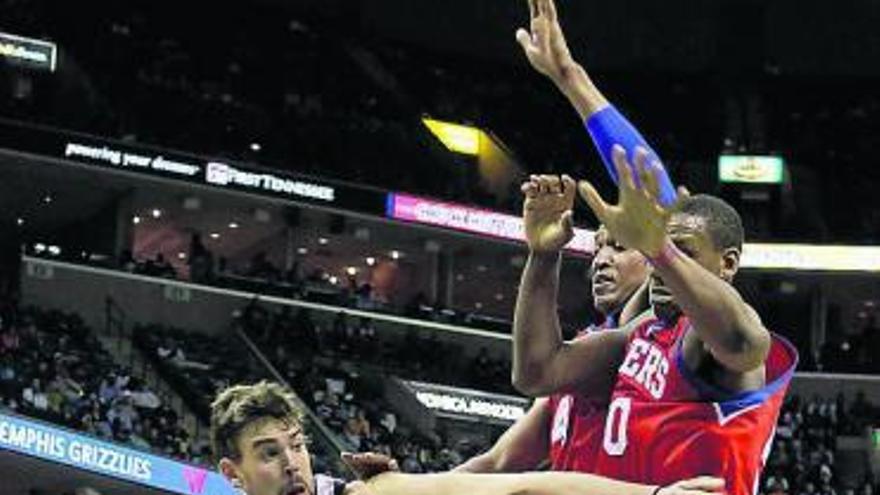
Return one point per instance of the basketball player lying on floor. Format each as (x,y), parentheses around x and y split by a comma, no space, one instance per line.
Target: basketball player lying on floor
(698,386)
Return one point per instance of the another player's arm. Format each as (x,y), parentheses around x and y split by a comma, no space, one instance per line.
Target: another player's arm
(521,448)
(730,328)
(545,483)
(547,50)
(542,362)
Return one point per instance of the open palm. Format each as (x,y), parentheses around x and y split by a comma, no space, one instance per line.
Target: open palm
(544,43)
(638,220)
(547,212)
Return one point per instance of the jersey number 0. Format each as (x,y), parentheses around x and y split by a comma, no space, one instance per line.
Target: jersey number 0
(616,422)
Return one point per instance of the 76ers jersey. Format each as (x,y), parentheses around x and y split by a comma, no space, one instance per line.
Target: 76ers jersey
(664,424)
(576,427)
(577,420)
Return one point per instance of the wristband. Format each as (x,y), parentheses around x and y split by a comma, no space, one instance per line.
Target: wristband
(665,257)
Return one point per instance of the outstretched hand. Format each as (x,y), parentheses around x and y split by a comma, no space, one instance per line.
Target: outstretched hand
(544,42)
(547,212)
(638,220)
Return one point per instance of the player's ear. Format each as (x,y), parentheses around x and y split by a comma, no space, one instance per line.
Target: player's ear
(730,263)
(229,469)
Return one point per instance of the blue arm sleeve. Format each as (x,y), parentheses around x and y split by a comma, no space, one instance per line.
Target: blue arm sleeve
(608,127)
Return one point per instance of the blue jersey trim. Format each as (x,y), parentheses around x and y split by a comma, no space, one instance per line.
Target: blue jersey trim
(730,402)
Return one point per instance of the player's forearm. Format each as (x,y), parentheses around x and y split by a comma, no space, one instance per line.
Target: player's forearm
(583,95)
(537,335)
(556,483)
(724,322)
(549,483)
(440,484)
(482,463)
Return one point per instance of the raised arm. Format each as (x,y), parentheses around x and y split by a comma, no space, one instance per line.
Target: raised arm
(542,362)
(545,46)
(547,51)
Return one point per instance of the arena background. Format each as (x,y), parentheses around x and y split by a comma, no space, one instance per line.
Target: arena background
(325,193)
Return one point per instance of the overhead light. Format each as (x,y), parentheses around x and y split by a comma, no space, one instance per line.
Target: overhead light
(323,241)
(19,221)
(215,235)
(156,213)
(395,255)
(181,255)
(192,203)
(302,251)
(371,261)
(136,220)
(463,139)
(233,225)
(351,271)
(256,147)
(333,279)
(47,198)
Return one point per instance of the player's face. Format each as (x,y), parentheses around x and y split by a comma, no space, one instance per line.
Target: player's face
(616,273)
(274,460)
(689,234)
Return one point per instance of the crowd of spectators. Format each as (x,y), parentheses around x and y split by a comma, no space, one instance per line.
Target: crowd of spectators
(198,365)
(804,454)
(53,368)
(356,339)
(327,366)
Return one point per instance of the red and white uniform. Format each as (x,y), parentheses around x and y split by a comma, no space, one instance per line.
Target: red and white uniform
(577,424)
(576,431)
(664,424)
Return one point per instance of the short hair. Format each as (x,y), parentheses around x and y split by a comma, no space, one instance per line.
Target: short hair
(723,223)
(240,406)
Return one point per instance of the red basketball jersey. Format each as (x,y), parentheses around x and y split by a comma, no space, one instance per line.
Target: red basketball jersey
(664,424)
(575,431)
(577,422)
